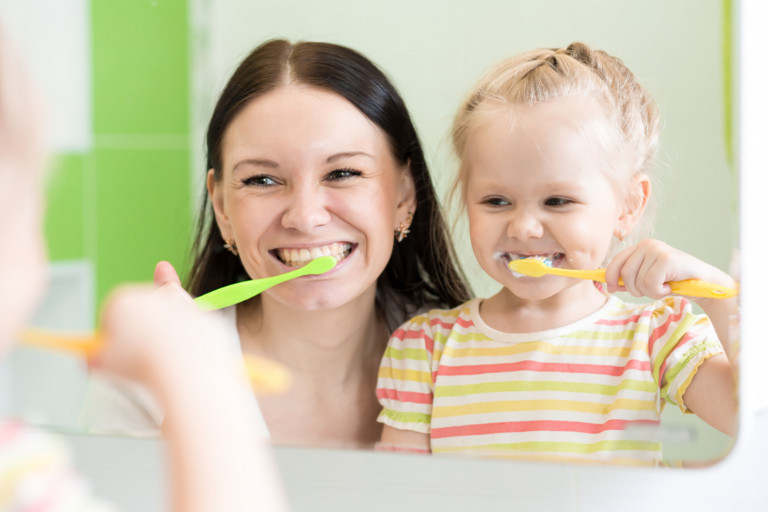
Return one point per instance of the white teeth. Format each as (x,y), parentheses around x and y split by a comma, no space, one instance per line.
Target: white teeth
(302,256)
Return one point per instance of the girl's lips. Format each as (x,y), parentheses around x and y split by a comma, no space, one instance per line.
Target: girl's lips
(295,257)
(553,259)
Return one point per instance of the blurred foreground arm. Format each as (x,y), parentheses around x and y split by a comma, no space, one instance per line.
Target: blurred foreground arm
(217,461)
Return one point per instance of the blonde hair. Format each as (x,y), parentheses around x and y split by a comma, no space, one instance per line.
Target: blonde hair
(546,74)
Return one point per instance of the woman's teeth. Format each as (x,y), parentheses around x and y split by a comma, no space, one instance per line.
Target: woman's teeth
(300,257)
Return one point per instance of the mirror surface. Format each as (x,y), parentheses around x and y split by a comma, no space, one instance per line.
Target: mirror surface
(433,50)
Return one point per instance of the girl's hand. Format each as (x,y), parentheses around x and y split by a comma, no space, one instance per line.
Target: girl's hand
(151,334)
(646,267)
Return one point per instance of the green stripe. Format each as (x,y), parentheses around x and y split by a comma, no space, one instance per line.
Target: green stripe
(415,354)
(553,446)
(678,333)
(672,372)
(574,387)
(406,417)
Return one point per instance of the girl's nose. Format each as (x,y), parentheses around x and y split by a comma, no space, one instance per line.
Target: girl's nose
(306,210)
(524,225)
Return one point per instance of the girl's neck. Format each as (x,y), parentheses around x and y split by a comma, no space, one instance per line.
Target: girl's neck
(335,344)
(506,312)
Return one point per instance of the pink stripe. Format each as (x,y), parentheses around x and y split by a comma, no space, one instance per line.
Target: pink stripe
(536,426)
(448,325)
(535,366)
(625,321)
(662,370)
(9,430)
(404,396)
(661,330)
(403,335)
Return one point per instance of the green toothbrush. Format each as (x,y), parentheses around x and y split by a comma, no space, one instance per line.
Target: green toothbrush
(238,292)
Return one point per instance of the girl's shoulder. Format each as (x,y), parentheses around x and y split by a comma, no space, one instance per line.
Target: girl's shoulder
(441,318)
(667,309)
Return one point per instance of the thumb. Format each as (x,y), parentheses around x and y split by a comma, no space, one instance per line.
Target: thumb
(166,274)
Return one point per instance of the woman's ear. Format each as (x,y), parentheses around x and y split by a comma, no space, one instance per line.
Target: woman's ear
(407,203)
(216,196)
(636,200)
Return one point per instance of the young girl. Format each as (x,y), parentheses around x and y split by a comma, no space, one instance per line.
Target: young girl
(155,337)
(555,146)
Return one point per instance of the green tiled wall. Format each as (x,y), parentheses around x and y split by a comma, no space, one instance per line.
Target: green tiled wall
(125,204)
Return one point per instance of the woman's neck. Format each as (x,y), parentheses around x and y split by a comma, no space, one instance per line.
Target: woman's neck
(339,343)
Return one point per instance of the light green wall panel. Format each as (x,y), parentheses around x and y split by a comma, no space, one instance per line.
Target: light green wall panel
(140,66)
(143,208)
(64,227)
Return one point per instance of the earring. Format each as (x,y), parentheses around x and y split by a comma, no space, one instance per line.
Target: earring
(231,246)
(401,232)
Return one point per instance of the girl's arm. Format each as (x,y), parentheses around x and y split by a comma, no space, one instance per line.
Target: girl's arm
(158,338)
(394,439)
(645,268)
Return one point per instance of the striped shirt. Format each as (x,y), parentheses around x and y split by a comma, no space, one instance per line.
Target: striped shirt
(591,390)
(35,474)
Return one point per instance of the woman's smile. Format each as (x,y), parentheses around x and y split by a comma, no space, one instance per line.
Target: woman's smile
(300,256)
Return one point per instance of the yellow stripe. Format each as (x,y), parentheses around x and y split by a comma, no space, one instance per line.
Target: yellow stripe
(542,405)
(386,372)
(543,347)
(541,386)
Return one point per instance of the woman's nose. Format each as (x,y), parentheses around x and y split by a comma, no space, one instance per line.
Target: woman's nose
(524,225)
(305,211)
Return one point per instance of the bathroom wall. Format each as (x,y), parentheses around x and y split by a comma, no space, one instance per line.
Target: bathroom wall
(123,202)
(115,78)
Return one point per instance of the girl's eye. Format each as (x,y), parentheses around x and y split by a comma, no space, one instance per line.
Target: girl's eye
(260,180)
(557,201)
(496,201)
(342,174)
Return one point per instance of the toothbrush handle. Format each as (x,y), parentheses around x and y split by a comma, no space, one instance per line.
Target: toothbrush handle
(690,287)
(698,288)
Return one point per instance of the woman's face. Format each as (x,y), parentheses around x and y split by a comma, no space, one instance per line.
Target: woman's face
(305,174)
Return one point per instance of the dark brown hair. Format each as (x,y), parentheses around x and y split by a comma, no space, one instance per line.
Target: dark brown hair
(423,269)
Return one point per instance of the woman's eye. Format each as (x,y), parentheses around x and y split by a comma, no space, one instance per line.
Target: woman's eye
(496,201)
(557,201)
(260,180)
(342,174)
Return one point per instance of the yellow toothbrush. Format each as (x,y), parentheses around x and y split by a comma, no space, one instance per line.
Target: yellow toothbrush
(691,287)
(265,376)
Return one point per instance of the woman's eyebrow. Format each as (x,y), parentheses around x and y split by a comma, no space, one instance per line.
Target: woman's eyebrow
(348,154)
(258,162)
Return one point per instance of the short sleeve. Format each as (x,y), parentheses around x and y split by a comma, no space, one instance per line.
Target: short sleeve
(679,341)
(405,386)
(37,474)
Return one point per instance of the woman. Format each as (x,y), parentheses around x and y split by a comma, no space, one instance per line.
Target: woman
(311,151)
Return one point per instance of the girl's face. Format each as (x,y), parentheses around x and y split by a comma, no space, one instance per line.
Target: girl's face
(537,185)
(306,174)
